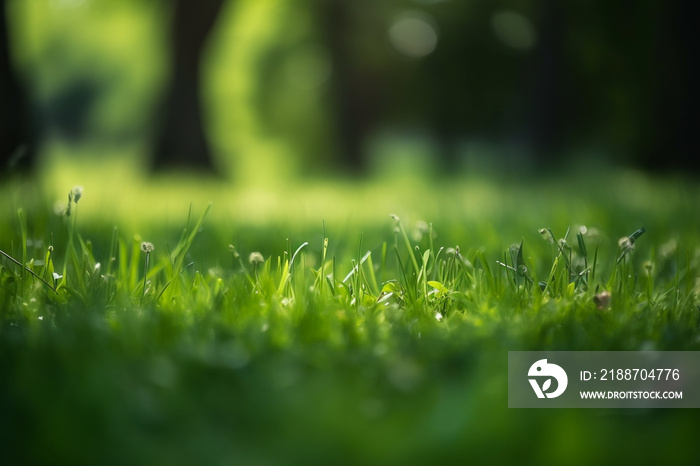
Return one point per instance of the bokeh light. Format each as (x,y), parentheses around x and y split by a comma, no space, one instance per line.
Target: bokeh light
(514,30)
(413,34)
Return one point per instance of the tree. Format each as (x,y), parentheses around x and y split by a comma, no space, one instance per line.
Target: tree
(181,141)
(357,84)
(670,139)
(17,144)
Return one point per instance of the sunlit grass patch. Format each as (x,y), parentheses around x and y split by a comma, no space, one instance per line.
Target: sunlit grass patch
(173,313)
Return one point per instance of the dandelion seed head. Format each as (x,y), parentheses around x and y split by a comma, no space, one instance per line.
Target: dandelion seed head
(77,193)
(256,258)
(625,244)
(147,247)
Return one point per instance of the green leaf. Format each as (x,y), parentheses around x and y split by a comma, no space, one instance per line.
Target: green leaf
(439,286)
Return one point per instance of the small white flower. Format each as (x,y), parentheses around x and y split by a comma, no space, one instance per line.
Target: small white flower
(147,247)
(57,276)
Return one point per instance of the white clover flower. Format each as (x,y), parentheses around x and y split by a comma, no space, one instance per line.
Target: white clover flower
(147,247)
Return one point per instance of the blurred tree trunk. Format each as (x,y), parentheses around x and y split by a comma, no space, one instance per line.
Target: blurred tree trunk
(671,137)
(17,146)
(181,142)
(548,112)
(353,88)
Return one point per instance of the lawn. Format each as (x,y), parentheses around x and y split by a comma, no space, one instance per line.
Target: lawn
(174,320)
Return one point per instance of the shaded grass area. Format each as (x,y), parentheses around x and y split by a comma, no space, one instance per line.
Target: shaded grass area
(384,344)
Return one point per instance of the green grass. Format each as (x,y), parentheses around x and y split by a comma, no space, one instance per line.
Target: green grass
(303,323)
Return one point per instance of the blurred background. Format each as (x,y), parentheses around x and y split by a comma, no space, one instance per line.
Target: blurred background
(272,89)
(319,118)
